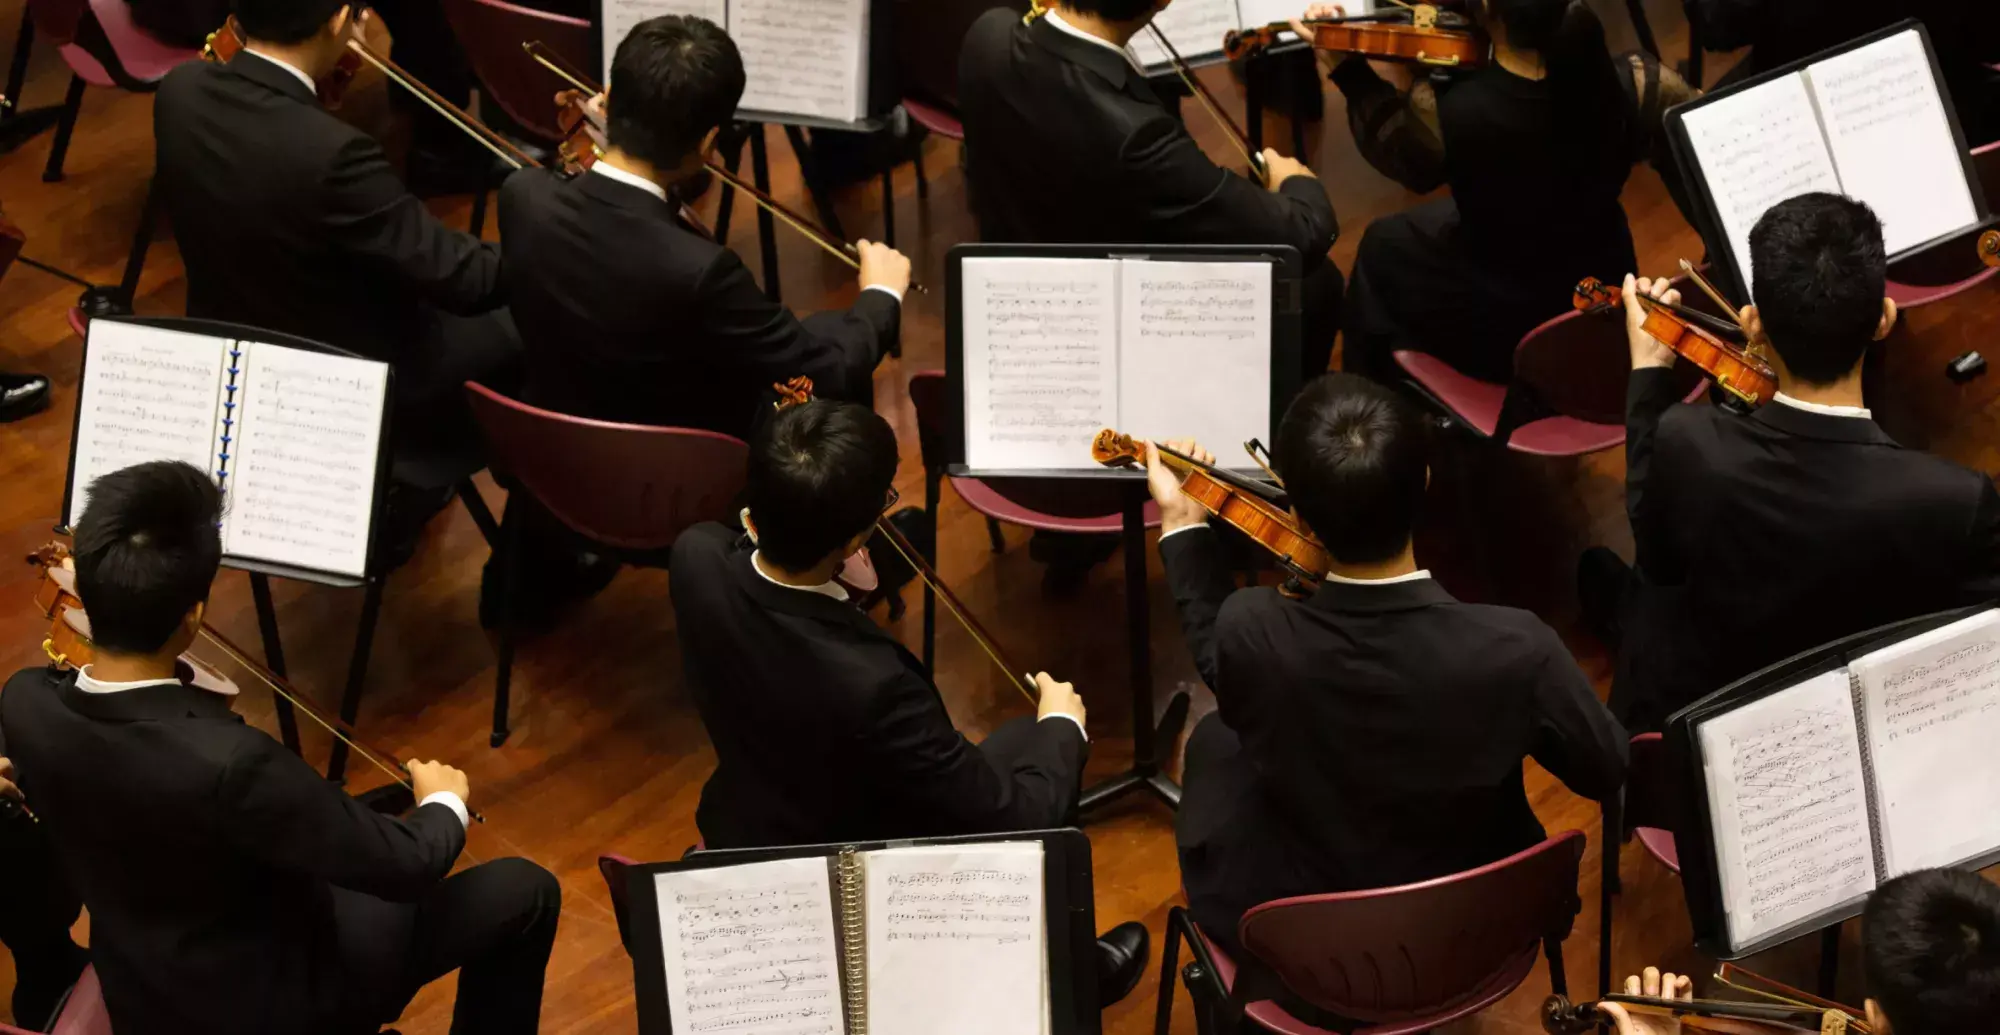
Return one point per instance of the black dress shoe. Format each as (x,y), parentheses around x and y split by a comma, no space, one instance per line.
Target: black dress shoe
(22,395)
(1121,960)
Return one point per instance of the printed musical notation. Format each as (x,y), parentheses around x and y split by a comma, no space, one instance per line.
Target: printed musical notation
(1756,149)
(619,16)
(751,949)
(803,57)
(1208,323)
(147,395)
(955,940)
(1041,360)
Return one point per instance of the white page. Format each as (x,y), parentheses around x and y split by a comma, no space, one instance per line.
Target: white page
(1931,707)
(1194,27)
(148,394)
(750,949)
(621,15)
(1194,354)
(1756,149)
(803,57)
(1789,806)
(1891,138)
(302,468)
(1041,360)
(955,940)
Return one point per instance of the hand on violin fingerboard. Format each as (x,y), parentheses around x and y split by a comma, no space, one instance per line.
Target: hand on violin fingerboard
(1647,351)
(1658,986)
(1177,510)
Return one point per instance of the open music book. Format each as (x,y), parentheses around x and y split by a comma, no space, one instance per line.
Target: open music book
(1826,788)
(293,437)
(1196,27)
(802,57)
(1872,122)
(1057,349)
(900,941)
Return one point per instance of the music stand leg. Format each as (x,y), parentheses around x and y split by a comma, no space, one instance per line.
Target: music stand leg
(809,171)
(1150,740)
(730,145)
(274,658)
(357,675)
(1829,960)
(767,228)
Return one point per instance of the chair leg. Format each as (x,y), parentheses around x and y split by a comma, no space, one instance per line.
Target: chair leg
(274,658)
(930,593)
(1170,958)
(889,206)
(357,676)
(24,49)
(923,178)
(59,148)
(503,679)
(1552,949)
(1609,885)
(993,536)
(142,242)
(1829,960)
(475,506)
(478,222)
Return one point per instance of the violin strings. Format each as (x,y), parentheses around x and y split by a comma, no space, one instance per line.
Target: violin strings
(951,605)
(423,93)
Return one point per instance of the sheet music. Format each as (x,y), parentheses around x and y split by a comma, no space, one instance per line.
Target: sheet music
(955,940)
(1931,705)
(1041,360)
(1194,27)
(1789,807)
(1891,139)
(619,16)
(302,469)
(803,57)
(1196,323)
(750,949)
(1756,149)
(148,394)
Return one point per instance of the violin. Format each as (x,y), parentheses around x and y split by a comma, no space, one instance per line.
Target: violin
(1420,35)
(1784,1010)
(1989,247)
(1694,336)
(223,45)
(1248,507)
(69,646)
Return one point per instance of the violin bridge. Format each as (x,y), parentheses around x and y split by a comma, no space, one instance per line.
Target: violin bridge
(1424,16)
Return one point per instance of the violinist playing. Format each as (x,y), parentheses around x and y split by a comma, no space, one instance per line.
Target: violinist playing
(1761,535)
(1535,145)
(1373,733)
(231,888)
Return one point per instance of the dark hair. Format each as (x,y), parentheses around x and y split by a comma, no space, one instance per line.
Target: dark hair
(673,79)
(284,21)
(147,548)
(819,475)
(1354,458)
(1930,946)
(1584,79)
(1113,10)
(1818,273)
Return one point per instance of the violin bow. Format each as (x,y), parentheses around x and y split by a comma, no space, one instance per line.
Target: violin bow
(501,147)
(540,53)
(1710,290)
(1208,101)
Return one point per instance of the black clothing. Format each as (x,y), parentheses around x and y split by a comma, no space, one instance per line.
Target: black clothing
(1042,107)
(1381,731)
(179,23)
(219,870)
(1765,535)
(827,729)
(37,909)
(928,34)
(628,316)
(1465,277)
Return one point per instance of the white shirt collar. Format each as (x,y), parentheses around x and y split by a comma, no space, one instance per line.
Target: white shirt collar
(88,685)
(1392,580)
(629,178)
(1055,18)
(1823,409)
(825,589)
(296,72)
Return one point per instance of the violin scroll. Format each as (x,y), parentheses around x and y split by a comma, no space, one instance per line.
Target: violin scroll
(1989,248)
(1111,449)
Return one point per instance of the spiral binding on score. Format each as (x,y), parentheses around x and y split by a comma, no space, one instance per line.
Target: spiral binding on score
(853,943)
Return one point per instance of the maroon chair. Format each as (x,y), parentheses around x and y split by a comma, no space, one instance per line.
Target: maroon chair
(82,1011)
(103,47)
(1398,960)
(1648,810)
(492,31)
(1951,266)
(630,488)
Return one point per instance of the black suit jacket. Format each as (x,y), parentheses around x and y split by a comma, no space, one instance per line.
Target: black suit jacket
(1764,535)
(289,219)
(629,316)
(179,23)
(827,729)
(1382,731)
(206,854)
(1066,142)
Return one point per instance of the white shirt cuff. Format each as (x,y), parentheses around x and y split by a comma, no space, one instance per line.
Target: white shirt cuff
(1072,718)
(1184,528)
(452,801)
(887,290)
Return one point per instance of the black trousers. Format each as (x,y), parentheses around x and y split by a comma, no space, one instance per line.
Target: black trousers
(37,908)
(431,409)
(493,923)
(1324,291)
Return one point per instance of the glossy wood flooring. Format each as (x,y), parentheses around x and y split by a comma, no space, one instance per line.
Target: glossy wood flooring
(608,754)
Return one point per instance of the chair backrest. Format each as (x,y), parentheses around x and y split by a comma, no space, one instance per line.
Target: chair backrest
(83,1011)
(58,19)
(1578,364)
(624,485)
(1650,798)
(492,32)
(614,868)
(1419,949)
(1056,497)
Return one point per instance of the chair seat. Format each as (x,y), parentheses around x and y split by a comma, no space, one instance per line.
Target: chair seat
(982,498)
(84,1013)
(144,58)
(1478,404)
(79,322)
(1661,844)
(934,118)
(1272,1017)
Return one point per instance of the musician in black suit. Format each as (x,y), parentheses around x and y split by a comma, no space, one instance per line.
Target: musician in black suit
(1763,535)
(1371,734)
(825,727)
(1066,142)
(630,315)
(289,219)
(37,909)
(231,888)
